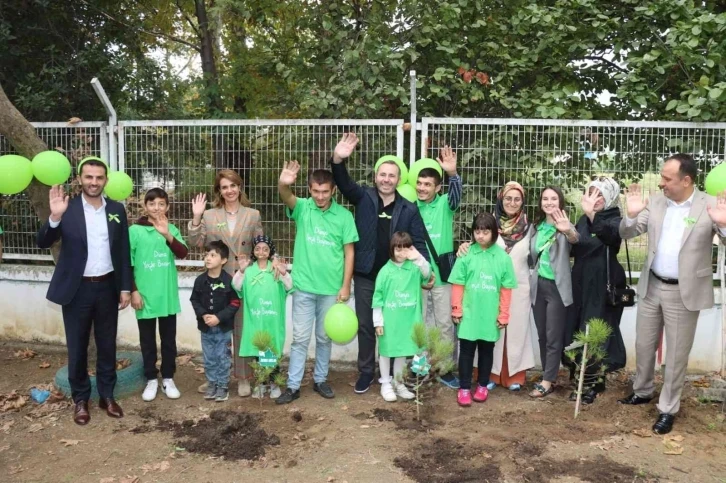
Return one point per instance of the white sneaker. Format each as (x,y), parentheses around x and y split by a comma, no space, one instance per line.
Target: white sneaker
(402,391)
(275,391)
(152,385)
(243,388)
(387,392)
(170,389)
(258,392)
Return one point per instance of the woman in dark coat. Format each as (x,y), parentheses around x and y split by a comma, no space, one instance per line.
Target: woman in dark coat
(598,229)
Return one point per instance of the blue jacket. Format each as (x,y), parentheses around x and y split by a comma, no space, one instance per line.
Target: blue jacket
(71,264)
(406,217)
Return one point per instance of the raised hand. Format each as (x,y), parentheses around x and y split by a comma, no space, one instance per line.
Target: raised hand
(58,200)
(634,201)
(447,160)
(413,254)
(562,222)
(199,204)
(243,261)
(588,202)
(289,173)
(279,267)
(345,147)
(162,225)
(718,212)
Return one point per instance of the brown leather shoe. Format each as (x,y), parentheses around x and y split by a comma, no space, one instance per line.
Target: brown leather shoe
(112,408)
(81,416)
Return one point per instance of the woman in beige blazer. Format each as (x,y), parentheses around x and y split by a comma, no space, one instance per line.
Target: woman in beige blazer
(236,224)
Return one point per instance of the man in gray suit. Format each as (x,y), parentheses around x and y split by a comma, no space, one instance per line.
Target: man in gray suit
(677,279)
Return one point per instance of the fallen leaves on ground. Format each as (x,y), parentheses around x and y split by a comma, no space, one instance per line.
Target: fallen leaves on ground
(5,428)
(70,442)
(672,444)
(12,401)
(25,354)
(34,428)
(163,466)
(702,382)
(44,365)
(14,470)
(611,442)
(122,364)
(184,359)
(199,370)
(643,433)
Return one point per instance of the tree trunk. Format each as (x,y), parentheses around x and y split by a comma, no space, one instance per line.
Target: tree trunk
(209,65)
(22,136)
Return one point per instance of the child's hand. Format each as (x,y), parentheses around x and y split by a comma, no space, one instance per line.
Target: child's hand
(136,301)
(279,267)
(456,320)
(161,224)
(430,282)
(243,261)
(413,254)
(500,325)
(211,320)
(379,331)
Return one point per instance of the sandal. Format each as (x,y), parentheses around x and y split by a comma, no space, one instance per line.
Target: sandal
(540,391)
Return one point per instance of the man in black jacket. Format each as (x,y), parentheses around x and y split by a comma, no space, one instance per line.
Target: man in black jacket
(379,212)
(91,281)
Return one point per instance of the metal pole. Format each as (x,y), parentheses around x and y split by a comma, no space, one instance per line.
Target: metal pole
(414,127)
(112,122)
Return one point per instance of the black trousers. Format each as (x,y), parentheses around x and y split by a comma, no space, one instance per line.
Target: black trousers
(363,290)
(95,305)
(147,340)
(466,361)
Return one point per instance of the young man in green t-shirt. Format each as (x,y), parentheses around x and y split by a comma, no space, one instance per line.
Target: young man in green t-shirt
(322,272)
(437,211)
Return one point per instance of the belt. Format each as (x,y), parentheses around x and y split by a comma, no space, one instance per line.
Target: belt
(99,278)
(667,281)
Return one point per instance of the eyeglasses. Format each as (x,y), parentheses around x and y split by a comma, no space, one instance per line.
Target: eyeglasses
(512,201)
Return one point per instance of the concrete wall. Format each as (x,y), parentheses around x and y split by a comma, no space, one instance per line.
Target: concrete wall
(26,315)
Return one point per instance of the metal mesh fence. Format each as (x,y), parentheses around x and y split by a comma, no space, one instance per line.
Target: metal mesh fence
(567,154)
(182,157)
(17,218)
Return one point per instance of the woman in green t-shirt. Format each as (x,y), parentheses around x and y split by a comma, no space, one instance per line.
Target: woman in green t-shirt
(550,282)
(155,293)
(481,293)
(263,285)
(396,308)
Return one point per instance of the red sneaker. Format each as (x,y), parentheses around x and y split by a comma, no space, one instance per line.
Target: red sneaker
(464,397)
(481,394)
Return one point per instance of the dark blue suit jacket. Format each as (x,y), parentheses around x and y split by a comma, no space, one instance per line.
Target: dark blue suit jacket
(74,249)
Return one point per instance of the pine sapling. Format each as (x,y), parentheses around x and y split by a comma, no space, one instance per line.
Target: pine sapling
(268,362)
(592,341)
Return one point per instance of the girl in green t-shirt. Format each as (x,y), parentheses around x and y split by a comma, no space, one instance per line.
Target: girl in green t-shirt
(154,244)
(263,285)
(396,308)
(484,279)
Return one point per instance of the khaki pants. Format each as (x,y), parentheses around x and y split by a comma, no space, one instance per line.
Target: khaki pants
(662,308)
(437,310)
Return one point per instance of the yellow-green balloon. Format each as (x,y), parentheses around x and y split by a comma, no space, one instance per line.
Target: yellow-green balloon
(51,167)
(17,173)
(408,192)
(401,165)
(341,323)
(716,180)
(119,186)
(422,164)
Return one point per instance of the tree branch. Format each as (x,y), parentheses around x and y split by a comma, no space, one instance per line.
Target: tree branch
(148,32)
(604,60)
(188,19)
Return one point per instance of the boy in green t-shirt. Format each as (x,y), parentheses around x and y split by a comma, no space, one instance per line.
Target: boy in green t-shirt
(322,272)
(437,211)
(154,243)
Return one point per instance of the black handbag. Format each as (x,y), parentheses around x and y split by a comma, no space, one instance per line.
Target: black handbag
(619,297)
(445,261)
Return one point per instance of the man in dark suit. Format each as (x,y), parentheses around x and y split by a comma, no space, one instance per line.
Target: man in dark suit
(91,281)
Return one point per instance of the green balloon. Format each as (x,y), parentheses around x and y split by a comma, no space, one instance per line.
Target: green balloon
(422,164)
(341,324)
(408,192)
(119,186)
(716,180)
(401,165)
(51,167)
(17,173)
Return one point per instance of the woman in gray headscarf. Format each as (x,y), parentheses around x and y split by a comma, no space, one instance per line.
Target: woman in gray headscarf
(598,229)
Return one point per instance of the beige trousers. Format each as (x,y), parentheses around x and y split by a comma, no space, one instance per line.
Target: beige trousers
(662,309)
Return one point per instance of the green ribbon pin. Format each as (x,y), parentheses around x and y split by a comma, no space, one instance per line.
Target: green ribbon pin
(215,286)
(258,279)
(221,225)
(689,221)
(112,217)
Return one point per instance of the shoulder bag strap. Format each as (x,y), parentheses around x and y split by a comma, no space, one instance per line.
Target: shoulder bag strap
(430,245)
(607,268)
(627,257)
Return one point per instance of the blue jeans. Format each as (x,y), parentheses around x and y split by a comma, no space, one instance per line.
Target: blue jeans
(215,346)
(307,310)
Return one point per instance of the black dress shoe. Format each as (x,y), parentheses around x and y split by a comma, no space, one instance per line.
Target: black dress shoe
(324,390)
(81,416)
(664,424)
(112,408)
(634,400)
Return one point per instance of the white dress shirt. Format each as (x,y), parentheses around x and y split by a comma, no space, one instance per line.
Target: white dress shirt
(99,249)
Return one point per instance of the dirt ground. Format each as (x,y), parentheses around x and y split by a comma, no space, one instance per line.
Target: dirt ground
(352,438)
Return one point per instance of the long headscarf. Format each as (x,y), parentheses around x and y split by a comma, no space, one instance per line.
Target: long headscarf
(511,228)
(609,188)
